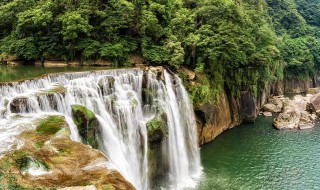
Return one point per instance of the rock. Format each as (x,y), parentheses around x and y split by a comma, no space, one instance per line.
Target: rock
(288,119)
(305,117)
(313,117)
(313,90)
(303,126)
(157,128)
(20,104)
(271,108)
(87,124)
(315,102)
(267,114)
(300,102)
(54,161)
(248,107)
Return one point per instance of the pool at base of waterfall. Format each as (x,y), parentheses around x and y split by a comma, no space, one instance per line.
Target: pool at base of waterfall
(258,156)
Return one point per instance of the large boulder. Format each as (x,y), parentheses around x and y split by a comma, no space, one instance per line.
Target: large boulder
(315,102)
(87,125)
(288,119)
(271,108)
(300,102)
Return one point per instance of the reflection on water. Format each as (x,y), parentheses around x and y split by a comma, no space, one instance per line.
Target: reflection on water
(13,73)
(257,156)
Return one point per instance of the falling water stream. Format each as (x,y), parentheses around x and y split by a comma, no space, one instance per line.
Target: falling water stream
(124,101)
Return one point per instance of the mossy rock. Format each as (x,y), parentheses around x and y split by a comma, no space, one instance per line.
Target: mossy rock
(50,125)
(157,128)
(87,125)
(106,83)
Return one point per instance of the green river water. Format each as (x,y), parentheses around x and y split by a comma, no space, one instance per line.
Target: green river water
(251,156)
(257,156)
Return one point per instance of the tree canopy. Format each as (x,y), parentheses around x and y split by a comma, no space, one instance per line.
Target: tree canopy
(234,44)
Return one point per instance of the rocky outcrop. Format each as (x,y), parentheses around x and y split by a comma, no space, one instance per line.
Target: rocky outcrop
(87,125)
(213,119)
(50,159)
(288,119)
(295,113)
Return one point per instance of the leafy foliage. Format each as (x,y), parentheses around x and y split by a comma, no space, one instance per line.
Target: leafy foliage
(237,45)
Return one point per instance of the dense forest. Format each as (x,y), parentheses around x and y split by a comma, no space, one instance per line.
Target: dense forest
(232,44)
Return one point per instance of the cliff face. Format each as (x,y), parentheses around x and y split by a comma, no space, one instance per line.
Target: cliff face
(293,86)
(213,119)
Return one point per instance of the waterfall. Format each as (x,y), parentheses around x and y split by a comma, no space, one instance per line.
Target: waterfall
(145,119)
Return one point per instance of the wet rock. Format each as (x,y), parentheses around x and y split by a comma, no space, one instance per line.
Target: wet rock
(20,104)
(267,114)
(157,128)
(87,124)
(106,84)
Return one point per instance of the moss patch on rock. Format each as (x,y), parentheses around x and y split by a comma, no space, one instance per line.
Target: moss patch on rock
(87,125)
(157,128)
(50,125)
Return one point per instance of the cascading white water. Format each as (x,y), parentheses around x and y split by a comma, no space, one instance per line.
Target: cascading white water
(115,96)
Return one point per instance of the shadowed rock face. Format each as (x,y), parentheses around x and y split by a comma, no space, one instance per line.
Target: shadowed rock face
(248,107)
(50,159)
(87,124)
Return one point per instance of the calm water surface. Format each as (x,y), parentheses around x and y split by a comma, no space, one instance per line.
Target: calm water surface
(13,73)
(257,156)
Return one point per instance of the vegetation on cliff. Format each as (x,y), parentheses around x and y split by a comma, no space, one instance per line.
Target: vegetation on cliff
(234,44)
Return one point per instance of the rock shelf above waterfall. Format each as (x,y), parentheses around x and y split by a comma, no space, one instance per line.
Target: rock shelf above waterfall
(50,159)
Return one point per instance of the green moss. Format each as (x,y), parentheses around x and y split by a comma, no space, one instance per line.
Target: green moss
(50,125)
(154,124)
(88,114)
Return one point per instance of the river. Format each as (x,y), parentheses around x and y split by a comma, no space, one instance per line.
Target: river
(257,156)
